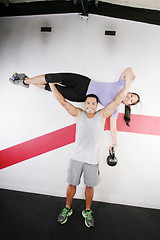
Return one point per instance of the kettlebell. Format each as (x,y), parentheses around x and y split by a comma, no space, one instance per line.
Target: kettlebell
(111,159)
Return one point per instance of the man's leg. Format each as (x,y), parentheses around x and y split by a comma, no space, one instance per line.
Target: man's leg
(87,213)
(91,179)
(67,210)
(71,190)
(89,192)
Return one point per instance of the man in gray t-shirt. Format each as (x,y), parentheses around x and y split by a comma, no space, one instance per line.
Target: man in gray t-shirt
(89,127)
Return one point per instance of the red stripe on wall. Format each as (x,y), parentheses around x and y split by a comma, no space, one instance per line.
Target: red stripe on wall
(59,138)
(139,124)
(37,146)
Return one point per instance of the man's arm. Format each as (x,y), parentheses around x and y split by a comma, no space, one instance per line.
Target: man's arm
(72,110)
(110,108)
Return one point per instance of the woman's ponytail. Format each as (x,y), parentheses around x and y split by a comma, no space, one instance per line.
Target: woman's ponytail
(127,114)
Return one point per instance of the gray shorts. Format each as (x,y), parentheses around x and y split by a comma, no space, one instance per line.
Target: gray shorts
(90,171)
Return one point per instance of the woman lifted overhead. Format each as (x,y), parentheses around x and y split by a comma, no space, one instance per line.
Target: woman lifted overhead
(75,87)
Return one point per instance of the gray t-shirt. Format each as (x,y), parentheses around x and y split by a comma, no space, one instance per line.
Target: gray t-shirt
(88,134)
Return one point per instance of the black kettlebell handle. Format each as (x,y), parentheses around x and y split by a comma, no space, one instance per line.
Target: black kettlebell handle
(112,152)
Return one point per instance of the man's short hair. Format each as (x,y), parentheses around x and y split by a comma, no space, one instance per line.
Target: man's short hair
(92,95)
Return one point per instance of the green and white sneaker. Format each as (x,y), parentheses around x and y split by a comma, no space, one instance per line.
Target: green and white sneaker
(18,79)
(63,216)
(89,220)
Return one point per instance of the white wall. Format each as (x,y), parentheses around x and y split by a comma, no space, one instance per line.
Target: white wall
(79,45)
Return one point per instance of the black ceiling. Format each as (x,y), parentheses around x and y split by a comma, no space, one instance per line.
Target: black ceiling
(83,7)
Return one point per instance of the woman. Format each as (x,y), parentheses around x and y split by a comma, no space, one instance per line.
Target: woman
(75,87)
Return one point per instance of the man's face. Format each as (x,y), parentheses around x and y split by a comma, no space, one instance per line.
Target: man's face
(90,105)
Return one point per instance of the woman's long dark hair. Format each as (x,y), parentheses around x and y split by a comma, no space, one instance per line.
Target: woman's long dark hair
(127,114)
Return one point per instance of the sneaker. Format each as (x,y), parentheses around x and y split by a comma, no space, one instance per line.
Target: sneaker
(89,220)
(18,79)
(14,76)
(63,216)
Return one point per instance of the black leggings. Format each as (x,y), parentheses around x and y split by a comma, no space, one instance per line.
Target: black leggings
(74,85)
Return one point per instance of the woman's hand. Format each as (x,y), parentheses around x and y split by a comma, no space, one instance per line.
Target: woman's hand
(114,146)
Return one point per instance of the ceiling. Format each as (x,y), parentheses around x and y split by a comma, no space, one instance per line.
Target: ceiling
(147,11)
(147,4)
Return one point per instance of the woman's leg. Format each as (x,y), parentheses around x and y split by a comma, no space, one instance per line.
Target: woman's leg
(67,79)
(67,92)
(73,86)
(41,86)
(38,80)
(23,80)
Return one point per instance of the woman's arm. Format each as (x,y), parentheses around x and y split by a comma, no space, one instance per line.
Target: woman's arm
(129,77)
(113,131)
(72,110)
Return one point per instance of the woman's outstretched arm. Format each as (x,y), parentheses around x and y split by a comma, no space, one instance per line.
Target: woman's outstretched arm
(129,77)
(113,131)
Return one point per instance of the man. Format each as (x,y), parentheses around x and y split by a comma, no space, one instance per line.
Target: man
(89,127)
